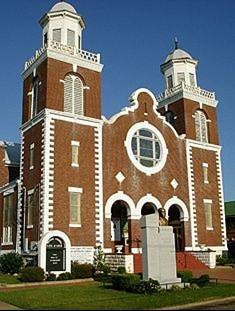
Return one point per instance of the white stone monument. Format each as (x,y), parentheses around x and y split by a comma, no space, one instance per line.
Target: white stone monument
(158,251)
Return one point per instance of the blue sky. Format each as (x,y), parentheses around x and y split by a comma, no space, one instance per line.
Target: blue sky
(133,37)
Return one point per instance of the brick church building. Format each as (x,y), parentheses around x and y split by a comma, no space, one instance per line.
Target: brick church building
(79,180)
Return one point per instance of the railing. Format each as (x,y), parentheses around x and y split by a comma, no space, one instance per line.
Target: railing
(187,88)
(65,49)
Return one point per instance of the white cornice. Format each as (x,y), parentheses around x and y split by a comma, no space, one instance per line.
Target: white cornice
(9,186)
(60,115)
(202,145)
(186,91)
(44,53)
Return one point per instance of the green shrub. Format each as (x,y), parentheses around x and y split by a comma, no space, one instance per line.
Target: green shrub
(11,263)
(203,280)
(186,276)
(82,271)
(147,287)
(103,278)
(222,260)
(64,276)
(121,270)
(51,277)
(125,281)
(32,274)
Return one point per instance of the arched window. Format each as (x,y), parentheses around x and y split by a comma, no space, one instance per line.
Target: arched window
(201,126)
(73,95)
(34,102)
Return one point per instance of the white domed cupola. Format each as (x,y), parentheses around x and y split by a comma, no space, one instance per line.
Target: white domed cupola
(63,25)
(179,67)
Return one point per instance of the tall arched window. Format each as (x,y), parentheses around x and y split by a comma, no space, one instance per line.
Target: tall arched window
(34,102)
(73,95)
(201,126)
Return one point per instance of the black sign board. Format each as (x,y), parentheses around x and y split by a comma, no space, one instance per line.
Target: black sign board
(55,255)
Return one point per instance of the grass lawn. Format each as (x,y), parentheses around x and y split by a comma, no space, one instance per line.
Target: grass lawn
(8,279)
(92,296)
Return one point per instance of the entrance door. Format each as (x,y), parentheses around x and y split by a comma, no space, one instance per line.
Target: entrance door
(178,227)
(119,227)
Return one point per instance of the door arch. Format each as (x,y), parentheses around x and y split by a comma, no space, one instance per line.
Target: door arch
(120,227)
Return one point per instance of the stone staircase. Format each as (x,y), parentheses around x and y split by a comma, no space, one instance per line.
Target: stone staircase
(187,261)
(133,262)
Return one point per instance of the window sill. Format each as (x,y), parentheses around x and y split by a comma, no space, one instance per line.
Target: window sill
(31,168)
(30,227)
(7,243)
(206,182)
(74,165)
(75,225)
(209,228)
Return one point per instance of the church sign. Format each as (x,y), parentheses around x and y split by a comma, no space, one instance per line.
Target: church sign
(55,255)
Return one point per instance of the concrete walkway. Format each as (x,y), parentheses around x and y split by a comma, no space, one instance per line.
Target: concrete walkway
(6,306)
(202,305)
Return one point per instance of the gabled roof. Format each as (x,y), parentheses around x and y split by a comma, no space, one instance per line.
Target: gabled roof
(230,208)
(12,153)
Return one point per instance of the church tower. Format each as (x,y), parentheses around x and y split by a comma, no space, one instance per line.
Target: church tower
(192,112)
(183,100)
(61,133)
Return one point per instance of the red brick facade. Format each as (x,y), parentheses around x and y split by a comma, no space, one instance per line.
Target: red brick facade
(115,190)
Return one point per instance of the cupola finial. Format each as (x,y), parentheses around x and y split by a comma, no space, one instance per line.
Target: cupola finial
(176,43)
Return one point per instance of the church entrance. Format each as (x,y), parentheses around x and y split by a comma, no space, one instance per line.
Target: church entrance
(178,227)
(120,227)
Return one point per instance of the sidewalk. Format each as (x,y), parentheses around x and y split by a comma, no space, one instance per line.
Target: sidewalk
(5,306)
(200,305)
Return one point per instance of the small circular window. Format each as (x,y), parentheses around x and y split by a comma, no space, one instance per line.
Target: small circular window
(146,148)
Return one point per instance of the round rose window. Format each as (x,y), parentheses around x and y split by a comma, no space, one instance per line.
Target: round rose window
(146,148)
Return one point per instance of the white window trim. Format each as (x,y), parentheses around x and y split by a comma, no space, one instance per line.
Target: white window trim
(4,229)
(76,190)
(75,225)
(76,144)
(10,191)
(30,192)
(7,228)
(31,147)
(74,165)
(208,201)
(74,78)
(147,170)
(199,114)
(205,165)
